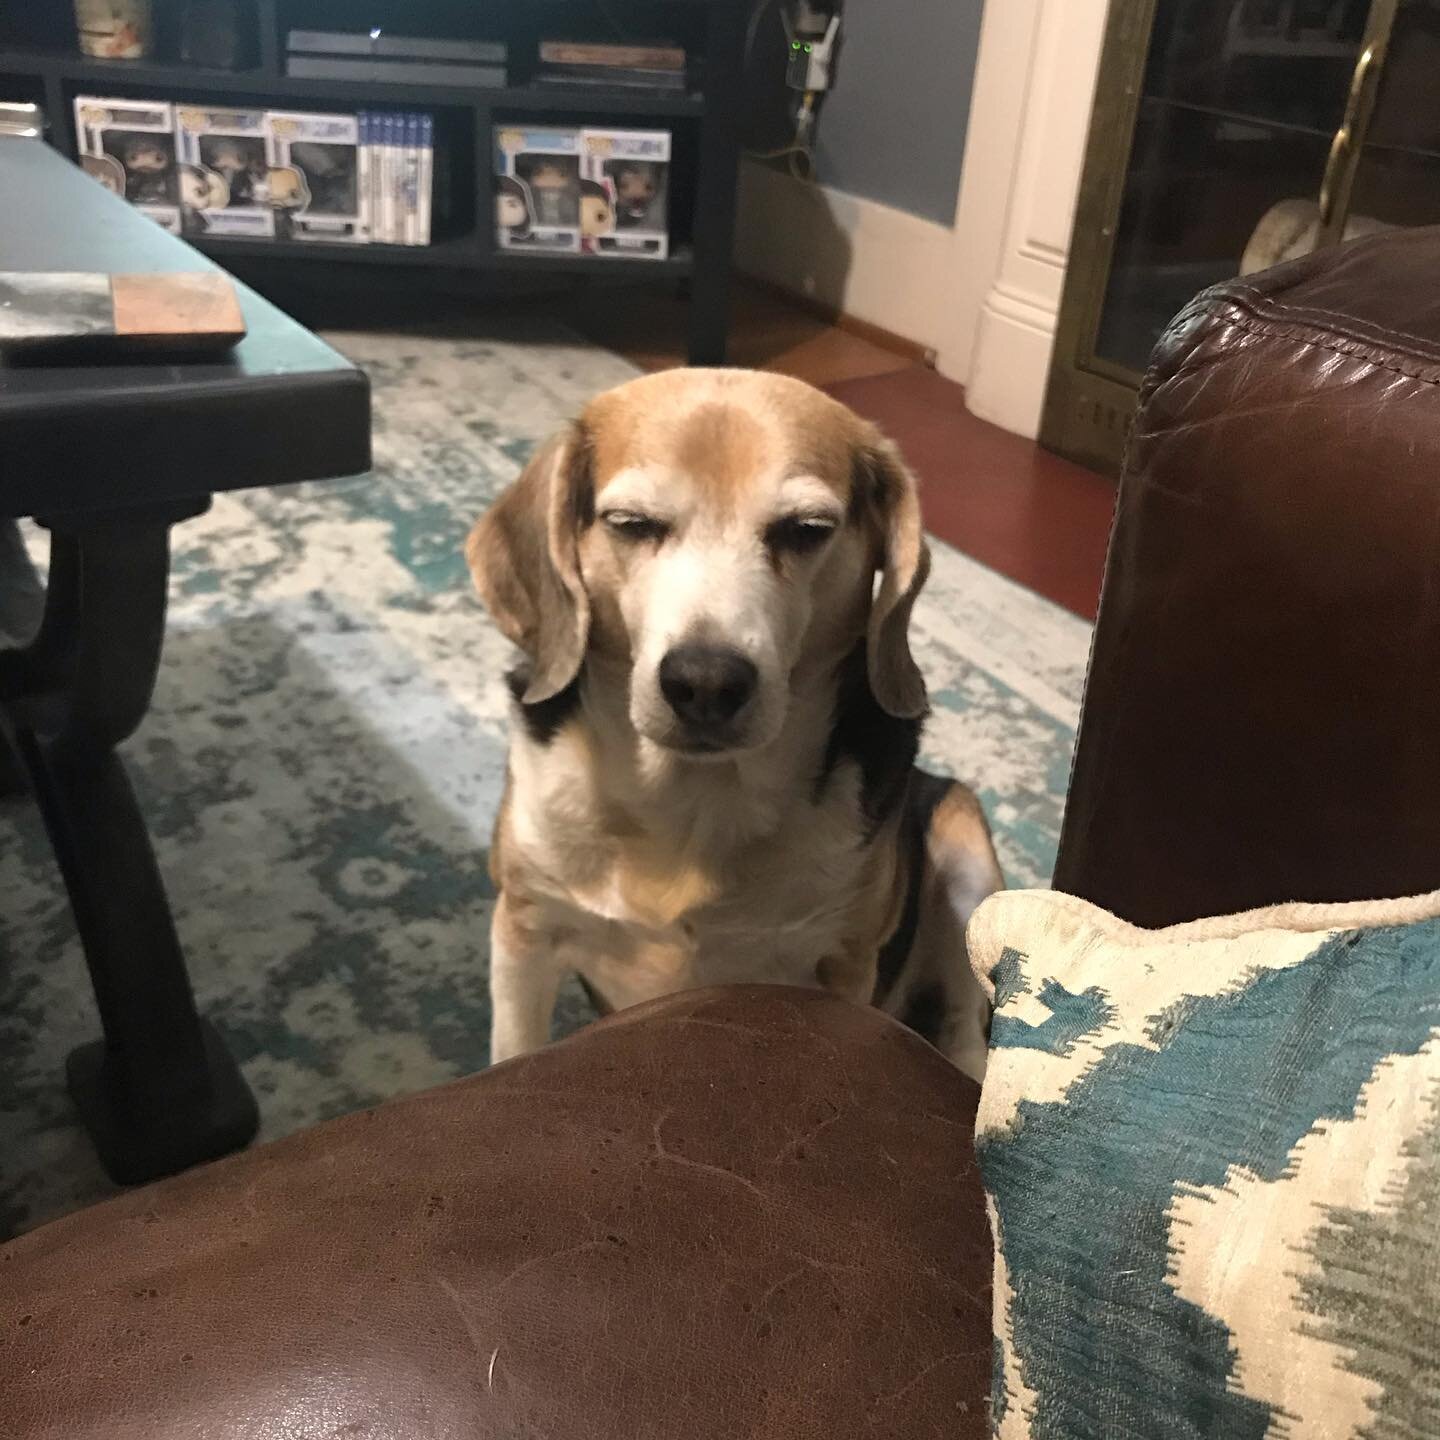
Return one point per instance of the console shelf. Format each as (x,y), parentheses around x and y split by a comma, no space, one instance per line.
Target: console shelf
(705,120)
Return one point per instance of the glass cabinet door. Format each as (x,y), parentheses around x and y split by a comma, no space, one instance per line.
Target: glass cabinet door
(1228,136)
(1238,108)
(1397,181)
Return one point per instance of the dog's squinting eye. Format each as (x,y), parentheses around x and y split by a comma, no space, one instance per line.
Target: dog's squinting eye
(799,534)
(631,525)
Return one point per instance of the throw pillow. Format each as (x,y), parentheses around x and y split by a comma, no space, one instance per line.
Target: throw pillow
(1212,1162)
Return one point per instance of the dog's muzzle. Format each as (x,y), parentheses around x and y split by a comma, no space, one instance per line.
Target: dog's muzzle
(708,688)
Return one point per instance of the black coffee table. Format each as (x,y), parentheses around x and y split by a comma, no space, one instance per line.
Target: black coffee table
(108,458)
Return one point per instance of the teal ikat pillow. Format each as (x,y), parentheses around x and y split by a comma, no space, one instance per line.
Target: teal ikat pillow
(1212,1161)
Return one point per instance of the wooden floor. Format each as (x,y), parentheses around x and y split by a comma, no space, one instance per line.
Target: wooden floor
(766,333)
(1003,500)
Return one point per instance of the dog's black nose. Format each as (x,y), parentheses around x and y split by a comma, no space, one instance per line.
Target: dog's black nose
(706,685)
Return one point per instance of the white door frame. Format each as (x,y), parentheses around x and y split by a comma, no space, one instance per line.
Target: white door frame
(1024,151)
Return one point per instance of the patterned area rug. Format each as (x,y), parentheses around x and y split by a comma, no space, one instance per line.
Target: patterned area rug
(325,752)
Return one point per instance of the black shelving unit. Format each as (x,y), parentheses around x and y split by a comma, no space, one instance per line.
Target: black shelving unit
(705,119)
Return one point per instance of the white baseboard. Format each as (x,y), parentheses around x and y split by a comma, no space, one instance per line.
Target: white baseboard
(855,256)
(1010,363)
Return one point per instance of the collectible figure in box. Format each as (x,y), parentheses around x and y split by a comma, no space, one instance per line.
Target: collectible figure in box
(315,185)
(537,190)
(129,146)
(230,149)
(597,215)
(634,167)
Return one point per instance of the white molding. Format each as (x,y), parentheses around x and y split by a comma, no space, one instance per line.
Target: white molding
(992,143)
(1010,363)
(1024,153)
(1017,308)
(852,255)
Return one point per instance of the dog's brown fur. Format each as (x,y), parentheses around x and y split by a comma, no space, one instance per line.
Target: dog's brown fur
(806,851)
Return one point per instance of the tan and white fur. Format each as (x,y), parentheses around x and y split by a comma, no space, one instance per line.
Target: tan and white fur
(711,575)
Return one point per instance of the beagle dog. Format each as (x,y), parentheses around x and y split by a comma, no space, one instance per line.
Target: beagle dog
(712,764)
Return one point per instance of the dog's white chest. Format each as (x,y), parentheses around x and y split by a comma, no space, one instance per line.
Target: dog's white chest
(643,914)
(631,950)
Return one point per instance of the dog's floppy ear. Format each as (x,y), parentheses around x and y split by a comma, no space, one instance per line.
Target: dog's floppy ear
(894,500)
(525,558)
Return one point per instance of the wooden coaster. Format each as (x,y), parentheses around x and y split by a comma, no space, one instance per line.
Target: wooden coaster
(194,310)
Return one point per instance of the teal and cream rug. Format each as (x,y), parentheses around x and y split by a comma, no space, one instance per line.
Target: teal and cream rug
(326,747)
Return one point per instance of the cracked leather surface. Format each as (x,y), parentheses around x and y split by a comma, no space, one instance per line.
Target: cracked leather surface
(1262,718)
(746,1212)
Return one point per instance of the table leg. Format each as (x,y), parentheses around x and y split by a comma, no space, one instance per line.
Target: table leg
(22,598)
(12,771)
(159,1092)
(715,199)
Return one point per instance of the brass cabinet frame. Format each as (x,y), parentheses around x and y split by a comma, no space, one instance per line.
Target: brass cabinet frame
(1089,400)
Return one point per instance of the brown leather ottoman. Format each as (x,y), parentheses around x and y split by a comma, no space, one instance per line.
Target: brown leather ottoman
(1262,719)
(737,1213)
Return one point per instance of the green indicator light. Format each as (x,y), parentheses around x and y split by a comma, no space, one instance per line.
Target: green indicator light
(795,45)
(809,48)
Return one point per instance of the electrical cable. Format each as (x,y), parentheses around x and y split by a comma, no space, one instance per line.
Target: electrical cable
(799,153)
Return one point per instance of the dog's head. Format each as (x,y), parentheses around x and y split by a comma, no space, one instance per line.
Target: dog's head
(715,536)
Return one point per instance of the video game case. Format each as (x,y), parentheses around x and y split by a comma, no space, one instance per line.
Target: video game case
(404,47)
(398,125)
(388,147)
(366,178)
(427,179)
(377,177)
(393,132)
(402,132)
(411,188)
(376,149)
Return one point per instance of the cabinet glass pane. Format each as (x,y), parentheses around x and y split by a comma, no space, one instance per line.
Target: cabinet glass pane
(1197,184)
(1284,60)
(1398,182)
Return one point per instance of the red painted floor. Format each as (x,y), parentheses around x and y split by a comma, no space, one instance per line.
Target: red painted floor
(1011,505)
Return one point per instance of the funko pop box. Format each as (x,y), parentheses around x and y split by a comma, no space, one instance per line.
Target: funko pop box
(315,182)
(225,158)
(634,167)
(537,189)
(129,147)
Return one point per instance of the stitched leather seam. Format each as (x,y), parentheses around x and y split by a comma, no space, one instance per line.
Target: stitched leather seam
(1261,329)
(1379,334)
